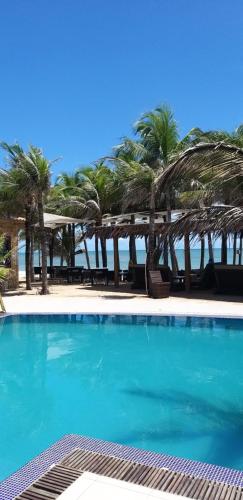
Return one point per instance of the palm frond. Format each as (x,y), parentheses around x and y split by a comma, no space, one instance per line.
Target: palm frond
(218,161)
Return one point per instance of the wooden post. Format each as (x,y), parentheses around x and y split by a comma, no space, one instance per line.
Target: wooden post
(73,246)
(187,263)
(202,241)
(234,248)
(210,248)
(86,253)
(240,250)
(224,249)
(132,244)
(116,261)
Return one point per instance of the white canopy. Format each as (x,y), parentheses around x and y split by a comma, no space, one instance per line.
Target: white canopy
(53,220)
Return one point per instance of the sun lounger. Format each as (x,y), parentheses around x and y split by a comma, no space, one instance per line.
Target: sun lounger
(158,289)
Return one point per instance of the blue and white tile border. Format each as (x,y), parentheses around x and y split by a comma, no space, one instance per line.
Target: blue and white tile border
(21,479)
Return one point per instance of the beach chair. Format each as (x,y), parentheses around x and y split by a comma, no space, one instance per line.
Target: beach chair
(158,289)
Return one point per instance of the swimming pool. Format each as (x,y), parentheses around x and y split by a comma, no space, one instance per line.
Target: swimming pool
(168,384)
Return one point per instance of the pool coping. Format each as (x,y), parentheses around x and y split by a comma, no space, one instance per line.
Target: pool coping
(30,472)
(123,313)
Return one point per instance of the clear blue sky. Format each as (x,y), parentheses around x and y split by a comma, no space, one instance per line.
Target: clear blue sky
(75,74)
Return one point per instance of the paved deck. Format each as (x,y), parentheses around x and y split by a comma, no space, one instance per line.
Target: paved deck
(60,477)
(78,298)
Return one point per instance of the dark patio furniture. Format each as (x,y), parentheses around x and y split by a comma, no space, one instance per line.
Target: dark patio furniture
(229,278)
(59,272)
(138,274)
(158,289)
(74,274)
(202,281)
(37,271)
(166,273)
(205,280)
(96,275)
(100,274)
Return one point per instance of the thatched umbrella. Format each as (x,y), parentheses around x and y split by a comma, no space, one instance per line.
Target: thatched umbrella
(216,220)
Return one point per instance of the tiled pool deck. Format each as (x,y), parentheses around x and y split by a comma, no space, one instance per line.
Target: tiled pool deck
(21,479)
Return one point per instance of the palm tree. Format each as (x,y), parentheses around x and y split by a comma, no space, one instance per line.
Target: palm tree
(136,180)
(159,134)
(99,183)
(36,170)
(140,162)
(29,175)
(219,166)
(24,204)
(4,271)
(87,194)
(234,138)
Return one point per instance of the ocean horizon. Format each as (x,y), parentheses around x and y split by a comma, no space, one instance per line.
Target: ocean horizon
(80,259)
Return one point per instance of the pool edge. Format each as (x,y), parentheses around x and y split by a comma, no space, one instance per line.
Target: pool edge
(32,470)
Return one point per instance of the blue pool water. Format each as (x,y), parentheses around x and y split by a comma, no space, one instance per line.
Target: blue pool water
(172,385)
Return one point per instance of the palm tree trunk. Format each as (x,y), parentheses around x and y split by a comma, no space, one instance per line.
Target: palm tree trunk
(202,240)
(28,246)
(86,248)
(62,252)
(86,254)
(187,262)
(166,252)
(174,263)
(102,246)
(70,245)
(234,248)
(210,248)
(97,259)
(39,254)
(73,245)
(103,251)
(151,238)
(32,274)
(51,248)
(44,289)
(240,249)
(132,245)
(146,243)
(224,249)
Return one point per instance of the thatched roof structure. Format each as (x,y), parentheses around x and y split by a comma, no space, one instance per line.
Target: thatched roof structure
(125,230)
(217,219)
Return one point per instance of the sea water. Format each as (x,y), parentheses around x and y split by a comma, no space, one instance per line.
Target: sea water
(80,259)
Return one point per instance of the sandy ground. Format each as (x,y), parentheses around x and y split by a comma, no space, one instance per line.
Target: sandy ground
(101,299)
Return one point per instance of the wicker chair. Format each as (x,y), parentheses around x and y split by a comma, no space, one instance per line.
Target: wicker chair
(158,289)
